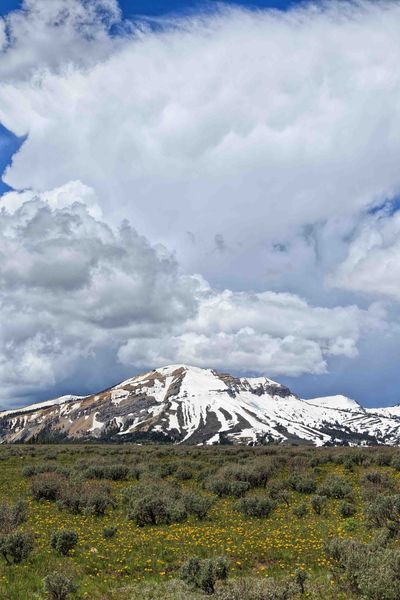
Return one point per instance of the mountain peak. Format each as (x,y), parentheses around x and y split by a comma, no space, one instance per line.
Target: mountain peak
(338,402)
(187,404)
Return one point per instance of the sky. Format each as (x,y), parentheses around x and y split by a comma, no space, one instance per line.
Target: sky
(213,184)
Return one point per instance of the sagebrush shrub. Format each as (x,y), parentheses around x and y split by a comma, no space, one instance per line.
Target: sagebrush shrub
(384,511)
(224,487)
(346,508)
(16,546)
(93,498)
(11,516)
(204,573)
(256,506)
(278,491)
(300,577)
(58,586)
(370,570)
(152,504)
(47,486)
(197,505)
(302,483)
(109,532)
(318,503)
(336,487)
(252,588)
(395,462)
(64,540)
(183,473)
(113,472)
(300,511)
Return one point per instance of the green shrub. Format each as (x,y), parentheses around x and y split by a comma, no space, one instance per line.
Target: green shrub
(63,541)
(300,511)
(346,509)
(16,547)
(197,505)
(109,532)
(223,487)
(336,487)
(350,525)
(300,577)
(47,486)
(183,473)
(252,588)
(256,506)
(113,472)
(91,498)
(12,516)
(384,511)
(302,483)
(318,503)
(58,586)
(152,504)
(204,573)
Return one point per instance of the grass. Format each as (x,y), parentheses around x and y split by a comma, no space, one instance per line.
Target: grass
(110,568)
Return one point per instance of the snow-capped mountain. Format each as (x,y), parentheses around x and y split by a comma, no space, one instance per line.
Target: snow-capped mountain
(184,404)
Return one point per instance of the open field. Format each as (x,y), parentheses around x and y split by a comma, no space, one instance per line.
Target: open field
(268,511)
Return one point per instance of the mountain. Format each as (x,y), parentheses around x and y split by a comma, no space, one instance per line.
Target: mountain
(184,404)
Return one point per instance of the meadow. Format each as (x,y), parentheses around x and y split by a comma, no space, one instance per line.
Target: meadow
(105,522)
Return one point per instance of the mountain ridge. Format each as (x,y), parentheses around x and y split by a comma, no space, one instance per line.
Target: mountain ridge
(184,404)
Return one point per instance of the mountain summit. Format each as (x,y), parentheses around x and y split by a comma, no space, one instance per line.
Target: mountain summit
(184,404)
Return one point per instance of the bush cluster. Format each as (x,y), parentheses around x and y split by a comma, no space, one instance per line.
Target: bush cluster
(256,506)
(370,570)
(93,498)
(58,586)
(204,574)
(63,541)
(154,504)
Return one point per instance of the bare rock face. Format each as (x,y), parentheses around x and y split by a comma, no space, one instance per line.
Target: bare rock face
(184,404)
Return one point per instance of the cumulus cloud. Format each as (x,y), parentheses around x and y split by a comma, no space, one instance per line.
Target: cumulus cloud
(252,144)
(372,265)
(246,125)
(265,332)
(50,35)
(73,287)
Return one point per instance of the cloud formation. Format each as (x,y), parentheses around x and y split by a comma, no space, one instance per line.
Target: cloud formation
(247,125)
(265,332)
(372,265)
(71,285)
(247,148)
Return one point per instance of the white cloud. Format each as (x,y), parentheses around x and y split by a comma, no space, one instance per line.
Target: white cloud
(261,333)
(73,287)
(372,265)
(253,143)
(247,125)
(50,35)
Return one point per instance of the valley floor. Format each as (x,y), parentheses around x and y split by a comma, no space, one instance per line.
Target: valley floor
(280,518)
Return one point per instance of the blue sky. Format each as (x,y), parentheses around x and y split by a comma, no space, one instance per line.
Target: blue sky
(160,7)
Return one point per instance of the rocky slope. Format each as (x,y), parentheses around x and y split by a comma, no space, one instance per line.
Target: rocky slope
(190,405)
